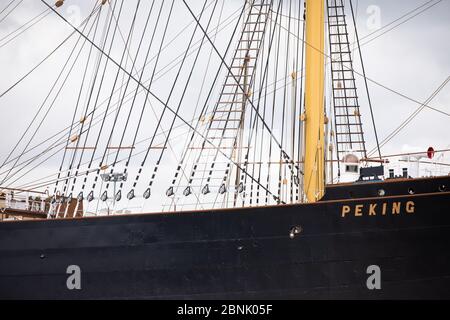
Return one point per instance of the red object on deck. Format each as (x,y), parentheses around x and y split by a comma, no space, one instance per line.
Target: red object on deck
(431,153)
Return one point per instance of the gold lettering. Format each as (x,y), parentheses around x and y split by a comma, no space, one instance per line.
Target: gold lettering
(396,207)
(384,209)
(410,207)
(372,209)
(345,210)
(358,210)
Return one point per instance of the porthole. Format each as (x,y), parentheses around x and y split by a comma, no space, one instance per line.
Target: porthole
(381,192)
(411,191)
(442,188)
(295,231)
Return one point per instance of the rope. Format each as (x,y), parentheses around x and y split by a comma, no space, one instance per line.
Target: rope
(408,120)
(10,11)
(43,104)
(365,82)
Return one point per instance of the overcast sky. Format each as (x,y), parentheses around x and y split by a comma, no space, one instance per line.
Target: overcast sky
(412,59)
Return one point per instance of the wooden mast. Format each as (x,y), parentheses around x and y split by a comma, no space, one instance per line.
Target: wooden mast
(314,179)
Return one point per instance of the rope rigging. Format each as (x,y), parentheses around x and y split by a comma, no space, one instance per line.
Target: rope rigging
(185,87)
(203,113)
(392,23)
(83,24)
(23,28)
(244,133)
(45,101)
(7,161)
(229,69)
(134,79)
(150,92)
(69,139)
(410,118)
(10,11)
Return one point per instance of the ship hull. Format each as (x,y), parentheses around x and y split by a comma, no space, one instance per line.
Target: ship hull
(312,251)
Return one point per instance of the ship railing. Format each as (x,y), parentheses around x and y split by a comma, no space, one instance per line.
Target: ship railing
(24,201)
(428,163)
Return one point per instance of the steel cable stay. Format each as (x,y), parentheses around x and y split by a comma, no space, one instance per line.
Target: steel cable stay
(118,195)
(377,30)
(263,79)
(184,90)
(26,26)
(374,32)
(36,186)
(365,81)
(46,57)
(377,83)
(254,109)
(123,160)
(52,182)
(110,100)
(300,145)
(297,101)
(69,138)
(265,109)
(248,76)
(60,132)
(211,116)
(399,24)
(100,86)
(237,91)
(59,46)
(197,105)
(7,6)
(89,98)
(62,141)
(281,174)
(10,11)
(131,193)
(43,185)
(155,171)
(45,101)
(203,113)
(25,76)
(372,81)
(272,124)
(108,144)
(28,162)
(57,95)
(255,122)
(235,79)
(410,118)
(134,79)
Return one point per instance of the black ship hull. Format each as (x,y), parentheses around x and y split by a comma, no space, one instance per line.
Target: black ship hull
(313,251)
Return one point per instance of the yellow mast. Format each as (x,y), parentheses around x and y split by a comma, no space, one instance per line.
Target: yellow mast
(314,179)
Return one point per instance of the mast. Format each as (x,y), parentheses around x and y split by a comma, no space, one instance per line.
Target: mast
(314,179)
